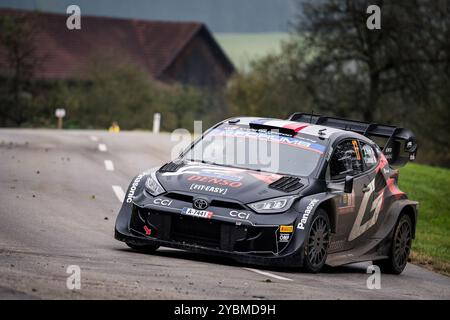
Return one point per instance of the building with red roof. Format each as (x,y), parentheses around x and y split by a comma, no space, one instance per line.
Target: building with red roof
(184,52)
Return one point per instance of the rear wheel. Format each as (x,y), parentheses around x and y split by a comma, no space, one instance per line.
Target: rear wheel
(400,248)
(148,248)
(316,245)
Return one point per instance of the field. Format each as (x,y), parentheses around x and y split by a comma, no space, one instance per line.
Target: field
(242,48)
(431,187)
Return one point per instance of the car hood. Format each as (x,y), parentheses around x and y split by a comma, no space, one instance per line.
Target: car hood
(215,182)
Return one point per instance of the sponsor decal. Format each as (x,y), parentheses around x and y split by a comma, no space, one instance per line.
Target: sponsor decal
(240,215)
(147,230)
(201,169)
(202,187)
(133,187)
(197,213)
(162,202)
(220,175)
(346,203)
(271,136)
(213,180)
(358,227)
(302,223)
(356,147)
(267,178)
(388,153)
(286,229)
(284,237)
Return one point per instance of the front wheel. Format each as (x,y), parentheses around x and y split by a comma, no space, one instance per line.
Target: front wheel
(148,248)
(400,248)
(316,244)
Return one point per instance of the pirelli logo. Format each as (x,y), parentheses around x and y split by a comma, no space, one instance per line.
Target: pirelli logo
(286,229)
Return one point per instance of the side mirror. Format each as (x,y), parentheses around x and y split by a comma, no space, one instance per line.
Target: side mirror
(348,186)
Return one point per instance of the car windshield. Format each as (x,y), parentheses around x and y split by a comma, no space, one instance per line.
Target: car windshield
(261,150)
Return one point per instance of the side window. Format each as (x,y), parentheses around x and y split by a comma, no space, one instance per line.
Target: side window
(369,156)
(346,160)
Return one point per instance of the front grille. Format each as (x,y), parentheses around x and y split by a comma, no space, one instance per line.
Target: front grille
(209,233)
(227,204)
(180,196)
(286,184)
(214,202)
(196,231)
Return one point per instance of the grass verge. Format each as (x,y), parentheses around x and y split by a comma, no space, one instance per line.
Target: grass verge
(431,187)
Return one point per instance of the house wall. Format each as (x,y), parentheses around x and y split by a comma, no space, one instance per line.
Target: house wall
(198,64)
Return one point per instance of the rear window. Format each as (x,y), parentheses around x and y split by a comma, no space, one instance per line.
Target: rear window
(369,156)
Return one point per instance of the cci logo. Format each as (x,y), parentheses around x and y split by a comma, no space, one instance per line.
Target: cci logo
(240,215)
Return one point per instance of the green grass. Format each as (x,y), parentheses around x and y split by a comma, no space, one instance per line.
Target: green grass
(242,48)
(431,187)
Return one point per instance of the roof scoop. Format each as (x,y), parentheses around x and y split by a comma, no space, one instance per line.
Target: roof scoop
(171,166)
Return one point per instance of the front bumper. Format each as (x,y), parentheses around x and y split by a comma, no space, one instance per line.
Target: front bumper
(248,241)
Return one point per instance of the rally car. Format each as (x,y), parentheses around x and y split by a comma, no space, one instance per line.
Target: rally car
(302,192)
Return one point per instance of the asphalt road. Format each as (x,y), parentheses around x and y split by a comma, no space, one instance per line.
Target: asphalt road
(58,208)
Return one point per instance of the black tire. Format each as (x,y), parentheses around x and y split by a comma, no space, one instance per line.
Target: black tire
(317,242)
(148,248)
(400,247)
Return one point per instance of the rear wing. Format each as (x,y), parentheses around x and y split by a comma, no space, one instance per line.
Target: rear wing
(399,145)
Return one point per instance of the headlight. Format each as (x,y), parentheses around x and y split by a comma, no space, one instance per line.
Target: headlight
(273,205)
(152,185)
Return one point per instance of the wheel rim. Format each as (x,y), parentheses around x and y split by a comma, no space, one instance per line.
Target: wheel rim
(318,242)
(402,244)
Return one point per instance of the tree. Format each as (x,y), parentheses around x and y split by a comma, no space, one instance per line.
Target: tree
(335,65)
(17,40)
(403,59)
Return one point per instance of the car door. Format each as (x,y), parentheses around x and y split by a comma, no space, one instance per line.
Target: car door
(346,160)
(371,205)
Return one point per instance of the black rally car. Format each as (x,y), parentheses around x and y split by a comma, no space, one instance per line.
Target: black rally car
(300,192)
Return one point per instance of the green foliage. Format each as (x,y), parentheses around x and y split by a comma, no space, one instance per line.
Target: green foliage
(335,65)
(430,186)
(111,90)
(16,41)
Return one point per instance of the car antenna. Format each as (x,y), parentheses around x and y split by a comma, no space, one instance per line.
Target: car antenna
(312,113)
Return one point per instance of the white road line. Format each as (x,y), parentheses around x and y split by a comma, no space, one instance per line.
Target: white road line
(102,147)
(268,274)
(118,191)
(94,138)
(109,166)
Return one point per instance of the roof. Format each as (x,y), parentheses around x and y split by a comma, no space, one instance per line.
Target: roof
(152,45)
(298,127)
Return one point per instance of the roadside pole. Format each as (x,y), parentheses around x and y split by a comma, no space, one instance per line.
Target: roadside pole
(60,113)
(156,123)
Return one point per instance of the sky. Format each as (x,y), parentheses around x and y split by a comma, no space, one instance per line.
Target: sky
(230,16)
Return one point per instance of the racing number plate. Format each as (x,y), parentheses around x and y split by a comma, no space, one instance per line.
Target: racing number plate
(197,213)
